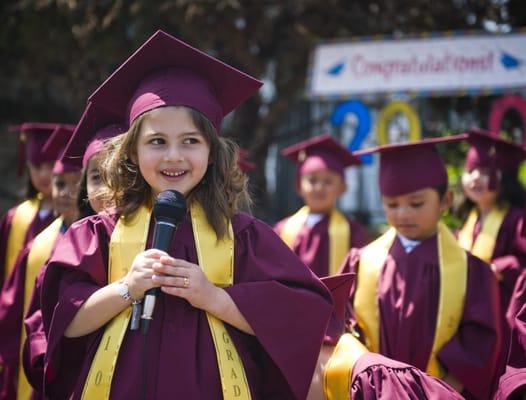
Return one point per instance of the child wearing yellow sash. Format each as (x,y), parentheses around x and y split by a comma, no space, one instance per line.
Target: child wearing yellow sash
(225,272)
(493,212)
(22,223)
(319,233)
(18,289)
(419,298)
(347,370)
(92,122)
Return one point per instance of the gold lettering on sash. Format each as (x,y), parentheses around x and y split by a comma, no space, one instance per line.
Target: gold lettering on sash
(233,374)
(98,378)
(107,343)
(128,239)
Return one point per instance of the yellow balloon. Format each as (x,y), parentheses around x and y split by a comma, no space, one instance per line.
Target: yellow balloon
(389,111)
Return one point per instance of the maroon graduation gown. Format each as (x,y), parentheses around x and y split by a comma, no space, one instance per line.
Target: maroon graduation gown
(11,324)
(312,244)
(275,292)
(408,287)
(35,345)
(34,229)
(512,384)
(509,255)
(377,377)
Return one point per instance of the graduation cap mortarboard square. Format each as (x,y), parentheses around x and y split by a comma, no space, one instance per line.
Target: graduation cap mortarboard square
(321,152)
(340,288)
(95,125)
(55,145)
(165,71)
(408,167)
(32,144)
(492,152)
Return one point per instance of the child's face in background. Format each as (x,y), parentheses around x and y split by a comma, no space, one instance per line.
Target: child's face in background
(320,190)
(65,194)
(40,176)
(415,215)
(93,184)
(475,184)
(171,152)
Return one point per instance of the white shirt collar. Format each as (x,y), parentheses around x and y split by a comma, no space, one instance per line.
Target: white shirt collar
(408,244)
(313,219)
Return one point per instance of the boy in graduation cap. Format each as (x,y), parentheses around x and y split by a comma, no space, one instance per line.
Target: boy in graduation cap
(347,370)
(229,320)
(419,297)
(17,290)
(318,233)
(23,222)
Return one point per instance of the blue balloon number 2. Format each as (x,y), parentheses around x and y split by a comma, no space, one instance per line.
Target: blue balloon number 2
(363,115)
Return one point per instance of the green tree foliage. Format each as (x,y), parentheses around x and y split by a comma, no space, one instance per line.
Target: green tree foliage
(55,53)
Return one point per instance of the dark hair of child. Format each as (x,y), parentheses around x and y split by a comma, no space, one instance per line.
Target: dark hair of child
(30,191)
(83,204)
(442,190)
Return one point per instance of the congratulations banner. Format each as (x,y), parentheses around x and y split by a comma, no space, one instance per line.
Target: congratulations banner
(426,66)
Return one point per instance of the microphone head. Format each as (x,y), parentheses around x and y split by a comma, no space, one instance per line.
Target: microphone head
(169,205)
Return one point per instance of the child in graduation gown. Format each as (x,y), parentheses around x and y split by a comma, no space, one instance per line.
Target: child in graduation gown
(318,233)
(18,288)
(23,222)
(242,311)
(347,370)
(419,297)
(512,384)
(493,211)
(88,204)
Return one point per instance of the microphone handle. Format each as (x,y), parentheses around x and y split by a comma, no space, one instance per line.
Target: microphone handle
(162,238)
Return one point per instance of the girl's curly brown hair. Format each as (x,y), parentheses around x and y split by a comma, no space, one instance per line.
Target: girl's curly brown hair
(222,191)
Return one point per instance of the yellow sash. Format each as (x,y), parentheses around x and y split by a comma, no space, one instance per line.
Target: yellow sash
(338,372)
(453,271)
(24,214)
(40,251)
(485,242)
(339,235)
(217,260)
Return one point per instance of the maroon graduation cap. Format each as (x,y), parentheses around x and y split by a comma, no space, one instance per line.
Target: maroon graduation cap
(165,71)
(32,140)
(493,153)
(320,153)
(55,145)
(95,125)
(340,288)
(407,167)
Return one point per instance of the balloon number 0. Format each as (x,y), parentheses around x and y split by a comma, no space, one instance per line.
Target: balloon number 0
(389,112)
(499,109)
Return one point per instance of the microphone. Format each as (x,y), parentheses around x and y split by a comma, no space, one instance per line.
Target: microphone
(168,212)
